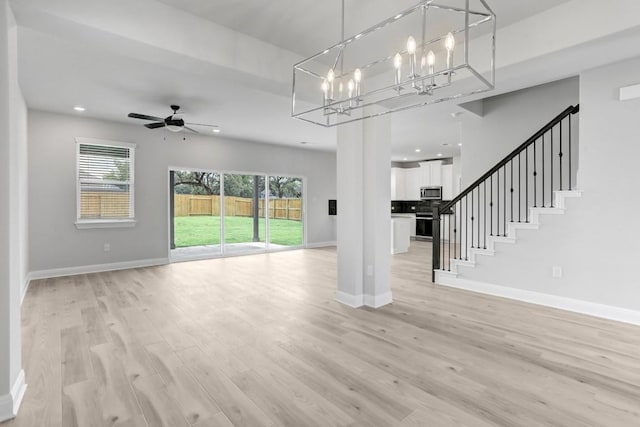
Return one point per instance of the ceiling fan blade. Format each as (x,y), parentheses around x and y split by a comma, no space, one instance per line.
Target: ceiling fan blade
(154,125)
(202,124)
(144,117)
(191,130)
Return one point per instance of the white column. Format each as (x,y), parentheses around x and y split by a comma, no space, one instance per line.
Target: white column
(364,213)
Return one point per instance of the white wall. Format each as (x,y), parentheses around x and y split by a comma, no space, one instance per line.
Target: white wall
(56,243)
(507,122)
(597,241)
(13,231)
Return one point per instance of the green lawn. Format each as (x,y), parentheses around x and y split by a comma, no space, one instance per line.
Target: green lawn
(205,230)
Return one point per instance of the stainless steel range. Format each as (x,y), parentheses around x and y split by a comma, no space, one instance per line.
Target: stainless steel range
(424,223)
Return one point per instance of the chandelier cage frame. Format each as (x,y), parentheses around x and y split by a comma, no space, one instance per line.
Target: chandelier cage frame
(330,89)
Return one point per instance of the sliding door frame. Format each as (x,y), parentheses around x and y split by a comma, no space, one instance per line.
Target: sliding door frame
(222,173)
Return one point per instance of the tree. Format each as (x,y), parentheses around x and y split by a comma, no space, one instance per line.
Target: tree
(186,182)
(285,187)
(121,173)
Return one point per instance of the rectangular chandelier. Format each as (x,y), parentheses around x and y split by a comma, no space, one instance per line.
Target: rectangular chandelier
(433,52)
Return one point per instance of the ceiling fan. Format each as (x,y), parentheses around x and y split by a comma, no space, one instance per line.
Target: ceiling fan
(174,122)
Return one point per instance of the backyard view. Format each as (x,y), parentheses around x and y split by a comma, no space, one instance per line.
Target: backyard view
(205,230)
(246,203)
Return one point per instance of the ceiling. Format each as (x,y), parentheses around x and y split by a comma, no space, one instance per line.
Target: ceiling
(141,56)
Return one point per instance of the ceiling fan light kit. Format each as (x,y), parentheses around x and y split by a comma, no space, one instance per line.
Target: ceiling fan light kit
(432,52)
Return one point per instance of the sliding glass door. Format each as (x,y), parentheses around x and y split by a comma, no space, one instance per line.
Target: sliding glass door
(244,216)
(195,217)
(216,213)
(285,212)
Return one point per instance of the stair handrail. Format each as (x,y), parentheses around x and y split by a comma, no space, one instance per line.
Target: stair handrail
(446,208)
(570,110)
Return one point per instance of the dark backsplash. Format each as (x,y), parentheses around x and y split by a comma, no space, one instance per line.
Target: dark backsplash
(414,206)
(411,206)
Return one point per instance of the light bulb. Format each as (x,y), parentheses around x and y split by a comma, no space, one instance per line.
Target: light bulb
(450,42)
(357,75)
(397,61)
(431,58)
(351,85)
(325,86)
(411,45)
(331,75)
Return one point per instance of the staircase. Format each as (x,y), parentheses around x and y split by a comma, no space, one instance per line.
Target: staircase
(532,181)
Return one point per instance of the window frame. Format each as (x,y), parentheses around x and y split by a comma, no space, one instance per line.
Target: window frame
(106,222)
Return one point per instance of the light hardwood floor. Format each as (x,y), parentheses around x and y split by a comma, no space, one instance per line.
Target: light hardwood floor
(260,341)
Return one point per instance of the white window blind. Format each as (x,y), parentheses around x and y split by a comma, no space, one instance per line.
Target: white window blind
(105,181)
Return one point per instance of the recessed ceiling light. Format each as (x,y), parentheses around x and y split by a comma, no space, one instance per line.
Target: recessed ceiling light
(439,154)
(405,159)
(79,108)
(418,150)
(216,130)
(460,144)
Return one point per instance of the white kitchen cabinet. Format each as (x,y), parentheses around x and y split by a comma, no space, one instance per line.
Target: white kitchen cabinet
(436,173)
(398,184)
(425,172)
(406,182)
(413,183)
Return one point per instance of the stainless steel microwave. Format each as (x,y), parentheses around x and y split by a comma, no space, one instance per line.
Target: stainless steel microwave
(431,193)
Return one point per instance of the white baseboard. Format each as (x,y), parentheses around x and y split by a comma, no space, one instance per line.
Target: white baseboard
(354,301)
(377,301)
(563,303)
(321,244)
(98,268)
(10,403)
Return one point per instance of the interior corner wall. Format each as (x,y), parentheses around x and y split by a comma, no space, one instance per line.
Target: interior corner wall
(56,243)
(13,263)
(596,242)
(508,120)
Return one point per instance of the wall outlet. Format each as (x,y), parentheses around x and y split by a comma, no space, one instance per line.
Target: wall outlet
(107,247)
(556,271)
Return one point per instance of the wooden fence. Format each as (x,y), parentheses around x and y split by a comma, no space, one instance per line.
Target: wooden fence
(104,204)
(192,205)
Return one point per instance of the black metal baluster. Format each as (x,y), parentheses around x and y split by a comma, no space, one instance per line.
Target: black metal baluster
(456,248)
(466,228)
(504,217)
(519,186)
(511,190)
(484,216)
(442,217)
(498,203)
(570,141)
(478,217)
(449,257)
(535,175)
(560,155)
(551,159)
(472,218)
(543,171)
(491,207)
(526,184)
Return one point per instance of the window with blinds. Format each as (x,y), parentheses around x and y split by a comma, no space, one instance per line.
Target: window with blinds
(105,182)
